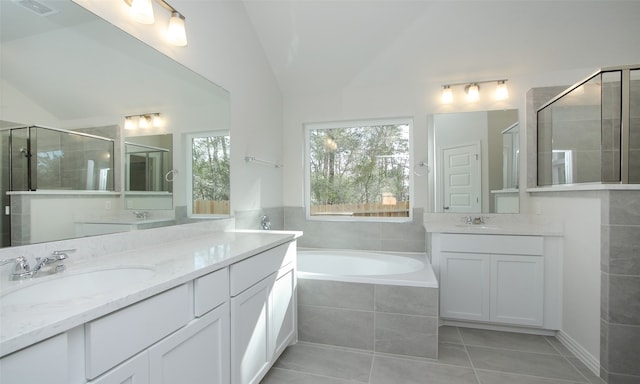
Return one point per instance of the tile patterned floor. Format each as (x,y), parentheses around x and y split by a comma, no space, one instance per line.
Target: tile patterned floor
(466,356)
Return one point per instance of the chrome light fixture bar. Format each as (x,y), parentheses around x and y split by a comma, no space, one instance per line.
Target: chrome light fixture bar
(472,90)
(142,12)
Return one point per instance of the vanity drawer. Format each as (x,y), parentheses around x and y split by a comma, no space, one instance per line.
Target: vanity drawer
(114,338)
(210,291)
(498,244)
(247,272)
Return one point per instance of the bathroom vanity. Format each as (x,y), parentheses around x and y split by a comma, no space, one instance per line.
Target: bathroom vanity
(498,275)
(218,308)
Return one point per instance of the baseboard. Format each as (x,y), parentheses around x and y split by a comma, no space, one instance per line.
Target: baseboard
(578,350)
(497,327)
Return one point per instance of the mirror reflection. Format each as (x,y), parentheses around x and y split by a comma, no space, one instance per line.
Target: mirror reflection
(475,162)
(93,77)
(149,173)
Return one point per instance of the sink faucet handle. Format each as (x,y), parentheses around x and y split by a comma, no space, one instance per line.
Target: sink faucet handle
(62,254)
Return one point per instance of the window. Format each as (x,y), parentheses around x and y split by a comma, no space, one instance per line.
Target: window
(208,164)
(358,170)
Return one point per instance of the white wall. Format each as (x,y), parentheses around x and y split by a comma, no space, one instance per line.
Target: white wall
(223,47)
(581,265)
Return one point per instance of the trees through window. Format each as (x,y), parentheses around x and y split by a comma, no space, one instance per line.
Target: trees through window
(359,169)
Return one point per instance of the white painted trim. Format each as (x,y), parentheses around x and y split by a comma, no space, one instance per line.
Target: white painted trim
(497,327)
(582,354)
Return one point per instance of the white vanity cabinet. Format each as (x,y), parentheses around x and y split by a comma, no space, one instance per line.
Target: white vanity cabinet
(262,312)
(183,334)
(45,362)
(492,278)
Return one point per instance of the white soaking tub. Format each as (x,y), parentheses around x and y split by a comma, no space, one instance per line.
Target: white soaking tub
(411,269)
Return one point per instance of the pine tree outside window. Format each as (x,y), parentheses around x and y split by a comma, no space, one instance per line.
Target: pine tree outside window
(358,170)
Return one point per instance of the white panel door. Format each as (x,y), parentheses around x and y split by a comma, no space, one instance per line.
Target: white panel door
(461,178)
(465,286)
(250,328)
(517,289)
(45,362)
(196,354)
(283,304)
(133,371)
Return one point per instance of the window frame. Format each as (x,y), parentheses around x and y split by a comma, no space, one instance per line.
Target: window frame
(308,127)
(189,173)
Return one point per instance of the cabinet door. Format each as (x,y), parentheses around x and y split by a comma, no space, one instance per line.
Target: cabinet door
(283,304)
(45,362)
(250,352)
(196,354)
(465,286)
(517,292)
(133,371)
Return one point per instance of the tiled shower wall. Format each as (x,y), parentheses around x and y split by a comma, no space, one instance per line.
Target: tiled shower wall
(620,292)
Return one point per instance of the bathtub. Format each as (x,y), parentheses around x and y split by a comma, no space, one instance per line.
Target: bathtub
(409,269)
(381,302)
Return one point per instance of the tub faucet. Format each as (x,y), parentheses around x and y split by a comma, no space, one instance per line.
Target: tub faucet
(141,215)
(265,224)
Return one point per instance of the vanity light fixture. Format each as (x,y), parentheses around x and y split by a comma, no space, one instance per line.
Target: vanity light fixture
(142,12)
(502,92)
(472,90)
(447,95)
(145,121)
(177,33)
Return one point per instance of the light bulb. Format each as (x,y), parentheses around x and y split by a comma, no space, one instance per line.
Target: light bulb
(177,34)
(447,95)
(142,11)
(501,90)
(157,120)
(473,92)
(143,122)
(128,123)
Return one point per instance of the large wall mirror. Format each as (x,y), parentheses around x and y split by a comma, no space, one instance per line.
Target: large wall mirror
(474,158)
(70,70)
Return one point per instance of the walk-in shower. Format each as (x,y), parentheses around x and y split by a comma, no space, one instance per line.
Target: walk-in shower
(590,133)
(42,158)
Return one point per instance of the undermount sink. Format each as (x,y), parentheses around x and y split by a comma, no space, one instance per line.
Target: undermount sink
(72,286)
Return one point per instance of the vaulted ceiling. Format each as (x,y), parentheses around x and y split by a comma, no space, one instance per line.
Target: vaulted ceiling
(319,45)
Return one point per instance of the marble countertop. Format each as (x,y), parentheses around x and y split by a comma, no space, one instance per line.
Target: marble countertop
(173,263)
(505,224)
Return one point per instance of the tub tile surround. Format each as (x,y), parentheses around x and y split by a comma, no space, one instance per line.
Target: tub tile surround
(177,254)
(369,317)
(620,289)
(362,235)
(465,356)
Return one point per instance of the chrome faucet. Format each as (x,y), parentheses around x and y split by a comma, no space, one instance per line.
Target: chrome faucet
(474,220)
(52,262)
(22,270)
(265,224)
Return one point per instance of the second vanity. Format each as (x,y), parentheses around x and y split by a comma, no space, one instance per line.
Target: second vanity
(498,274)
(218,308)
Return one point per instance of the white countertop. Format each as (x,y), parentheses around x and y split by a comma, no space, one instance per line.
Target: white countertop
(174,263)
(495,224)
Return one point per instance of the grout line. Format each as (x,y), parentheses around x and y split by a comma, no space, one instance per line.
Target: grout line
(475,371)
(567,359)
